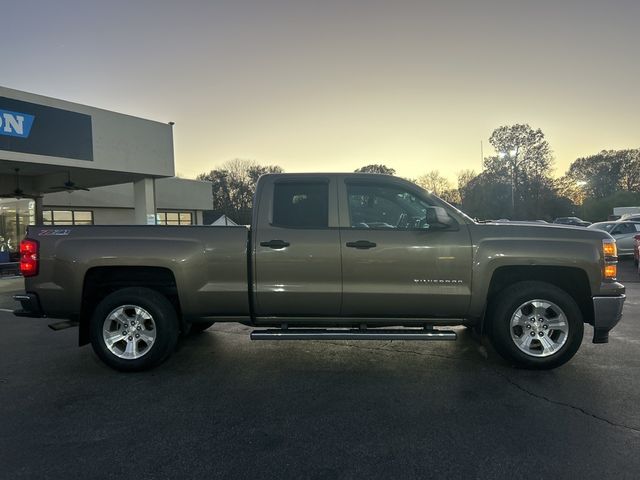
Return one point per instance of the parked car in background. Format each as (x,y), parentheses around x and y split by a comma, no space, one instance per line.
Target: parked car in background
(575,221)
(606,226)
(624,233)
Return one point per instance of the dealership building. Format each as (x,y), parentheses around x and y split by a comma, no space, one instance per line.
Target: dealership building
(62,163)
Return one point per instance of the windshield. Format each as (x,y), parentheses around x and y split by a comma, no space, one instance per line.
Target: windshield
(607,227)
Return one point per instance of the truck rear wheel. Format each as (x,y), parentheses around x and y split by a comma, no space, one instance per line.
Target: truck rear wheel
(535,325)
(134,329)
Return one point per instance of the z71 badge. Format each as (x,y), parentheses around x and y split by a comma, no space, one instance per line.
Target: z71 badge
(54,232)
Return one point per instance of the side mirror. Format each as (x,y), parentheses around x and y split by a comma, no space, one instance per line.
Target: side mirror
(438,217)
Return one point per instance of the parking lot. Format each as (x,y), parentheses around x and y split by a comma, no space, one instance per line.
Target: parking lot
(224,407)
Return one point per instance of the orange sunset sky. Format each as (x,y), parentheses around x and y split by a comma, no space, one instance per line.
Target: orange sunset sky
(334,85)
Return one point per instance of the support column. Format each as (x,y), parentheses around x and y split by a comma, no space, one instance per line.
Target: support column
(39,220)
(144,202)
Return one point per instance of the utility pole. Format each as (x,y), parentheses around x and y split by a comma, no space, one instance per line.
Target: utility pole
(513,181)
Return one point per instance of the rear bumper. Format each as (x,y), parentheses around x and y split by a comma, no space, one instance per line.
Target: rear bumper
(607,313)
(30,305)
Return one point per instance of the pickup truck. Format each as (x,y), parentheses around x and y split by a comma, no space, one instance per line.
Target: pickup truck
(328,256)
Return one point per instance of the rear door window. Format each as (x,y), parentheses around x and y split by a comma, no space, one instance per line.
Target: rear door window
(301,205)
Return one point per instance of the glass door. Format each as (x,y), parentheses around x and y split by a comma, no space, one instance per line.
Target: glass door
(15,216)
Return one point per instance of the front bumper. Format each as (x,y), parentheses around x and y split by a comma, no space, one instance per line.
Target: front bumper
(30,306)
(607,312)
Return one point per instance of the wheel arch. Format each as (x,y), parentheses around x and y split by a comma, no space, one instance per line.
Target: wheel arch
(101,281)
(574,281)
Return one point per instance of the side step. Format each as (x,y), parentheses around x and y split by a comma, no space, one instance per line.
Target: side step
(352,334)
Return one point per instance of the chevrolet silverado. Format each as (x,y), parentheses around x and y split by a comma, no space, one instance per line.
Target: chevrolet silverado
(328,256)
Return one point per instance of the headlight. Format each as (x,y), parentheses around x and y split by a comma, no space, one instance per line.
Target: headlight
(610,254)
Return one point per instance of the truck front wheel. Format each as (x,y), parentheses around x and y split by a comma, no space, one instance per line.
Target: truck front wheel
(535,325)
(134,329)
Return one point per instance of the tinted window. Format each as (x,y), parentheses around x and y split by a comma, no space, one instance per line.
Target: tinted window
(387,207)
(301,205)
(624,228)
(607,227)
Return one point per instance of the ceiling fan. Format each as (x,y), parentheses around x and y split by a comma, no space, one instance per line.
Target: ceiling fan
(68,186)
(17,192)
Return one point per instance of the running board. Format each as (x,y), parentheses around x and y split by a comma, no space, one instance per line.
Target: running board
(352,334)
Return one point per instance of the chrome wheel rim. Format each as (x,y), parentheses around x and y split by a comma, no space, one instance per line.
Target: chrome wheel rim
(539,328)
(129,332)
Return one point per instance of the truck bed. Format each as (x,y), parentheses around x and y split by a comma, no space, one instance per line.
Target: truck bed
(190,254)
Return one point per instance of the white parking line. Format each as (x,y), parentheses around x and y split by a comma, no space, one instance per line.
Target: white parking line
(6,310)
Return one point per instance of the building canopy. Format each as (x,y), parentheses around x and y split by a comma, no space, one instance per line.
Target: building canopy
(49,145)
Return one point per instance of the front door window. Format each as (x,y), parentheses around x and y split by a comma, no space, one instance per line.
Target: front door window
(385,207)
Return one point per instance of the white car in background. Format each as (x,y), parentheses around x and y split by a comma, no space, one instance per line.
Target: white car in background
(623,231)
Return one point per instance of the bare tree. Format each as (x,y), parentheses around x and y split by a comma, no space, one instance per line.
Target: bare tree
(629,169)
(599,174)
(434,182)
(568,188)
(607,172)
(464,178)
(234,184)
(525,156)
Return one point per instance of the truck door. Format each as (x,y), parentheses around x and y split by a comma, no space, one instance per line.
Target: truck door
(394,262)
(297,248)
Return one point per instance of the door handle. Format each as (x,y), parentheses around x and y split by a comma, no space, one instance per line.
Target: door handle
(275,244)
(361,244)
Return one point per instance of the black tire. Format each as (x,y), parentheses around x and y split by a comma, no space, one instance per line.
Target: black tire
(199,327)
(508,302)
(164,322)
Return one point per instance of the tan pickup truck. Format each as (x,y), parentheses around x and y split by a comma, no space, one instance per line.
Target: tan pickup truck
(328,256)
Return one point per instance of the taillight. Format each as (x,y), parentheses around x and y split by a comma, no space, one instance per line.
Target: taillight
(29,257)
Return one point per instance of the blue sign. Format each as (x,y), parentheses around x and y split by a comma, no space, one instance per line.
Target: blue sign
(14,124)
(36,129)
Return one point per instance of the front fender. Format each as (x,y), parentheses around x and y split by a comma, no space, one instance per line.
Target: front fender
(504,248)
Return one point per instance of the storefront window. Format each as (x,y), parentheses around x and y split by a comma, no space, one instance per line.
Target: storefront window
(82,217)
(15,216)
(67,217)
(174,218)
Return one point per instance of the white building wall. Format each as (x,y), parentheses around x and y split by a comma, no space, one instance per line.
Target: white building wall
(183,194)
(114,205)
(113,216)
(121,143)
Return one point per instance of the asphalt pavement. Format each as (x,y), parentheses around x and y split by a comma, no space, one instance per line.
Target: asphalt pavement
(225,407)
